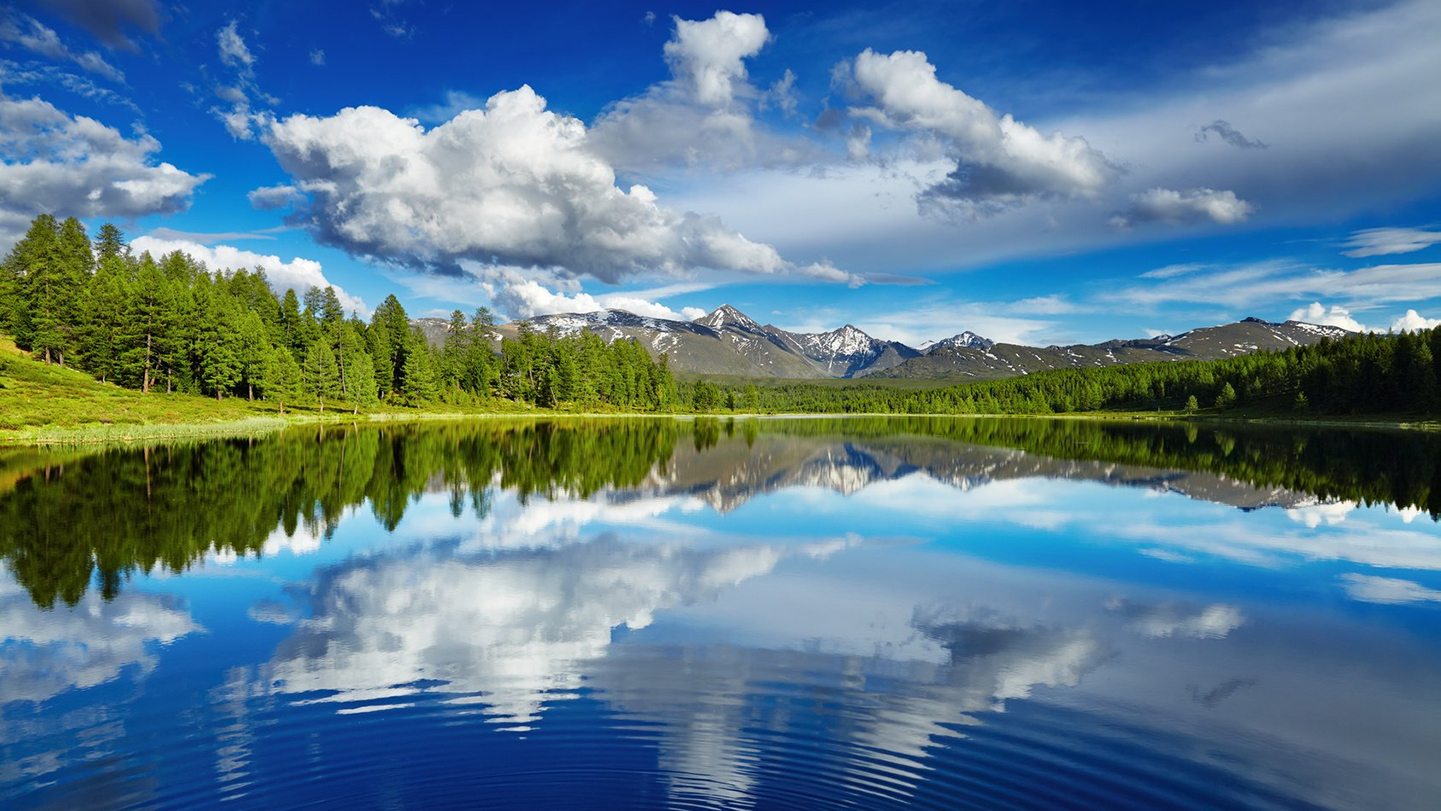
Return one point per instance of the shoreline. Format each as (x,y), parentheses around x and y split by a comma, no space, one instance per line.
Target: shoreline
(102,434)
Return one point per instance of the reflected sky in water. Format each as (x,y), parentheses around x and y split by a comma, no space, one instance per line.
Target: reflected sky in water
(755,616)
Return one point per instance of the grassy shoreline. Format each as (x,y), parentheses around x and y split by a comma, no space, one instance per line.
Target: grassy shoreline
(44,405)
(96,433)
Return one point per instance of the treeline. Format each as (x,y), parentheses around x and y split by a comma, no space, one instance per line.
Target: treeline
(1397,468)
(171,324)
(1358,374)
(106,517)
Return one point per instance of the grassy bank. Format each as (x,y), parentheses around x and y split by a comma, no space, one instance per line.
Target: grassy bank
(47,405)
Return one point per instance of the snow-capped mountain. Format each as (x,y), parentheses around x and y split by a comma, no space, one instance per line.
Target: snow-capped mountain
(967,339)
(727,316)
(726,341)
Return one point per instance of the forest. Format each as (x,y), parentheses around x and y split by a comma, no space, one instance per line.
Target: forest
(1362,374)
(70,520)
(171,324)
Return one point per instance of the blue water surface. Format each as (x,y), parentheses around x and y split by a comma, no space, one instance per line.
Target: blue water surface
(764,619)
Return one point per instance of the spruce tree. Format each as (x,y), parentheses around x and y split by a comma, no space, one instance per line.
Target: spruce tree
(102,316)
(148,326)
(282,380)
(322,376)
(253,348)
(290,323)
(110,243)
(219,343)
(362,382)
(481,363)
(421,380)
(456,354)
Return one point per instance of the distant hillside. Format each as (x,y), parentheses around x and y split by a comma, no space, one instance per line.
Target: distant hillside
(974,362)
(728,342)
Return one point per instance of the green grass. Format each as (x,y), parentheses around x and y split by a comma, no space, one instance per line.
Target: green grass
(33,394)
(45,404)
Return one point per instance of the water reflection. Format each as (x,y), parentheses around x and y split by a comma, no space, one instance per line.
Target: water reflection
(508,632)
(66,520)
(809,613)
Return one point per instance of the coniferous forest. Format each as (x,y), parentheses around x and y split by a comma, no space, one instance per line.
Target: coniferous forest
(170,324)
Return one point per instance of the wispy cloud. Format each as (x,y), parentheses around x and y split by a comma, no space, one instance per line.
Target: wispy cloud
(1389,241)
(1284,280)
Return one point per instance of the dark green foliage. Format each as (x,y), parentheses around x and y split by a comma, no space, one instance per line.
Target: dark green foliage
(1359,374)
(142,323)
(120,513)
(321,374)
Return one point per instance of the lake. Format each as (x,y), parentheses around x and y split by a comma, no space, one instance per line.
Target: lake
(801,613)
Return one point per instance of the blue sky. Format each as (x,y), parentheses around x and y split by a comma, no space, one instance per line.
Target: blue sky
(1032,171)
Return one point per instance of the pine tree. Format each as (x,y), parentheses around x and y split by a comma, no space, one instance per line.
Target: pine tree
(421,381)
(282,379)
(35,264)
(322,376)
(363,392)
(481,364)
(253,349)
(456,354)
(1227,397)
(290,323)
(102,315)
(110,243)
(395,326)
(219,345)
(148,326)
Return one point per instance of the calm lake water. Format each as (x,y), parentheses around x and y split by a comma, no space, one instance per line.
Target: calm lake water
(870,613)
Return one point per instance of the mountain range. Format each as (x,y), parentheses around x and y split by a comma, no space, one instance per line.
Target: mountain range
(728,342)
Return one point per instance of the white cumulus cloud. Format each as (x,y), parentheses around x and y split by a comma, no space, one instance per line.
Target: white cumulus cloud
(299,274)
(1185,207)
(523,293)
(1413,321)
(1337,316)
(511,184)
(75,165)
(708,54)
(1000,161)
(704,115)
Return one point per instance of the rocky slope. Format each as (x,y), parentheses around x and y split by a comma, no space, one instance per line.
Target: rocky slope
(728,342)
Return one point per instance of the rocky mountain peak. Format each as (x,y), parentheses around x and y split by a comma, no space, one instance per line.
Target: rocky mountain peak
(727,316)
(964,340)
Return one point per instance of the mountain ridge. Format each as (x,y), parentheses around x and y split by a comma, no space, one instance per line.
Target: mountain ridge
(726,341)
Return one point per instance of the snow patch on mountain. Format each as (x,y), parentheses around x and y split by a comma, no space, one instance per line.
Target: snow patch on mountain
(964,340)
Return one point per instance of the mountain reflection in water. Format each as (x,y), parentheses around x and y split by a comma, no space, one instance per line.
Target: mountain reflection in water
(737,614)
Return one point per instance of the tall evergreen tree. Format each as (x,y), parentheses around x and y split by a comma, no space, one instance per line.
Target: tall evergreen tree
(283,380)
(102,317)
(290,323)
(110,243)
(254,350)
(395,324)
(219,344)
(322,376)
(420,378)
(456,354)
(149,325)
